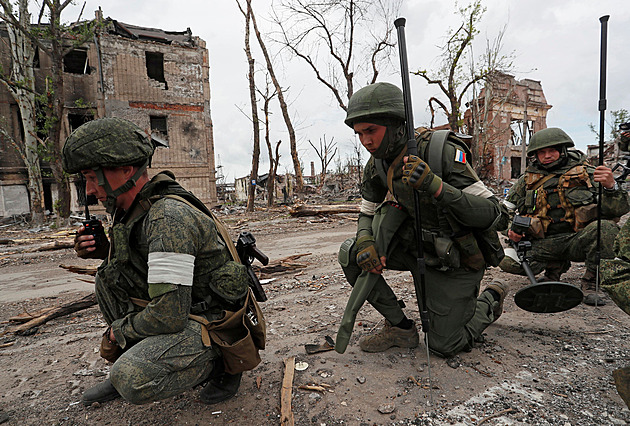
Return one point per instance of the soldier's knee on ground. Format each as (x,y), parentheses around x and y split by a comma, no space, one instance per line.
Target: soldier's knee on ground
(444,348)
(129,384)
(510,262)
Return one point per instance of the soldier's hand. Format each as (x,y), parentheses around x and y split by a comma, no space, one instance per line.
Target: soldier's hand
(514,236)
(604,176)
(86,247)
(624,141)
(367,255)
(418,175)
(109,349)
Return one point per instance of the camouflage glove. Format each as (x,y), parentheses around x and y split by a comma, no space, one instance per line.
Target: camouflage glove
(418,175)
(102,244)
(367,256)
(109,350)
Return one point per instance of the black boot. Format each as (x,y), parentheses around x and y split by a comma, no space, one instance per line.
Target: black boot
(220,388)
(102,392)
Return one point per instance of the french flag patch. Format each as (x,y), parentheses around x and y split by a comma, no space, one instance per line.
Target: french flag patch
(460,156)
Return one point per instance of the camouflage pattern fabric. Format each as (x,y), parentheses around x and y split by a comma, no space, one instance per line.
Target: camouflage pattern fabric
(575,247)
(107,142)
(615,273)
(161,332)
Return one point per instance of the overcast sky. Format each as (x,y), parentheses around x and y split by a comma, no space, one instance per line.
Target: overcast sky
(555,42)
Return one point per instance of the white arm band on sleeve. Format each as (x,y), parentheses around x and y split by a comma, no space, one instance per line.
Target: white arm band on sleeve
(172,268)
(368,207)
(478,188)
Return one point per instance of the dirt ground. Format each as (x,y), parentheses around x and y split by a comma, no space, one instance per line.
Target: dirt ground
(534,369)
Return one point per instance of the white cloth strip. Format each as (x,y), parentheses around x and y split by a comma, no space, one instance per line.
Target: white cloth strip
(368,207)
(478,188)
(172,268)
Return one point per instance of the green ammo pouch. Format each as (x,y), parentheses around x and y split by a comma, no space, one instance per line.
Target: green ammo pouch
(470,252)
(447,252)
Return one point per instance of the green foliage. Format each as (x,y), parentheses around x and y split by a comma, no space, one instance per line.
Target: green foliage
(617,117)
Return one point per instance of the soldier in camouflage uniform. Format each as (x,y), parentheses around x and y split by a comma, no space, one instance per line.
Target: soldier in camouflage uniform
(559,192)
(163,250)
(454,206)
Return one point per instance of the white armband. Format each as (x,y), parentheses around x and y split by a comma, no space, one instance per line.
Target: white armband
(172,268)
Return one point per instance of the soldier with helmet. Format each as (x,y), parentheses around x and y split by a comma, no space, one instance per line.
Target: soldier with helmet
(457,209)
(164,259)
(559,192)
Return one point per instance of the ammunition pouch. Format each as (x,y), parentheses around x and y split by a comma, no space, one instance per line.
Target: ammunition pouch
(471,256)
(490,246)
(584,215)
(447,252)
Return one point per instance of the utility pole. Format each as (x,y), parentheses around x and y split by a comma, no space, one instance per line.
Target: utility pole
(525,134)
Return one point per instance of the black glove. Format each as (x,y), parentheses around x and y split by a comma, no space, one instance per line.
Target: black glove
(102,243)
(418,175)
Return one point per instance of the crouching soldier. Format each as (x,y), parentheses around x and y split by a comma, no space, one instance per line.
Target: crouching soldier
(163,261)
(459,215)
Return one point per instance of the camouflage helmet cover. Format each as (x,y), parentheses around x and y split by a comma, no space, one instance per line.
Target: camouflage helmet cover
(547,138)
(106,142)
(375,100)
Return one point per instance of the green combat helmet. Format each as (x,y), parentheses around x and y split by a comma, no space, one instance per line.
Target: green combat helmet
(547,138)
(382,104)
(108,142)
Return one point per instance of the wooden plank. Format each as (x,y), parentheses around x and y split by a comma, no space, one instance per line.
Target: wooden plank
(286,414)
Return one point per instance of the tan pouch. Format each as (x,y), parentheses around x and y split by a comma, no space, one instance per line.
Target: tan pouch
(584,215)
(536,229)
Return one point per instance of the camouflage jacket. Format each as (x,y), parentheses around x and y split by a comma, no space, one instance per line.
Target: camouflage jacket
(156,226)
(554,195)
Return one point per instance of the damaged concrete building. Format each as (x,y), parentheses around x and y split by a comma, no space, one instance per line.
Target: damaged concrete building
(504,115)
(157,79)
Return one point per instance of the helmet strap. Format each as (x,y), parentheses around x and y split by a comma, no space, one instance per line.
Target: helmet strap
(110,202)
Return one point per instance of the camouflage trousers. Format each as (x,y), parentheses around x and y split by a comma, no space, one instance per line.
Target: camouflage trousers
(457,313)
(557,251)
(615,273)
(160,366)
(163,366)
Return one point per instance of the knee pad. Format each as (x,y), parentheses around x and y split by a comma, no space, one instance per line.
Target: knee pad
(345,251)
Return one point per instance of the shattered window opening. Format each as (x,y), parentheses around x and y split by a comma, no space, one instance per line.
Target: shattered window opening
(75,120)
(155,67)
(159,125)
(76,62)
(516,127)
(36,63)
(515,162)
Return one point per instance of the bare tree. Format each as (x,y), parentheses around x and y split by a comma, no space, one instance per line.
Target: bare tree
(273,159)
(326,152)
(253,176)
(55,40)
(452,77)
(21,84)
(342,41)
(283,105)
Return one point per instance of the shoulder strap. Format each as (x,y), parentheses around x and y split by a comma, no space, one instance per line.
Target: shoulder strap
(436,147)
(225,236)
(390,171)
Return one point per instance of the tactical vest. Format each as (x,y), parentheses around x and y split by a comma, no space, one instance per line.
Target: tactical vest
(127,269)
(554,198)
(440,231)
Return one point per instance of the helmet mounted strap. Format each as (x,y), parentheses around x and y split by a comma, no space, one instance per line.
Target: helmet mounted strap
(110,202)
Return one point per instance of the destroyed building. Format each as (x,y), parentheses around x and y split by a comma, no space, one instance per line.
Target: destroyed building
(502,119)
(157,79)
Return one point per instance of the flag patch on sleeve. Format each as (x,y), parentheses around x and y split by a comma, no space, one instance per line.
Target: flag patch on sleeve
(460,156)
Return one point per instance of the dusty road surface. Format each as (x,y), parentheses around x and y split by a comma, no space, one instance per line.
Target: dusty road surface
(531,369)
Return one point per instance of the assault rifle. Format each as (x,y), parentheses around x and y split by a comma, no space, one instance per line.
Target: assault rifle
(247,251)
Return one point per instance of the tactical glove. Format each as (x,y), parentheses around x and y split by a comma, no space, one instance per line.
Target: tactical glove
(109,350)
(624,141)
(367,256)
(102,245)
(418,175)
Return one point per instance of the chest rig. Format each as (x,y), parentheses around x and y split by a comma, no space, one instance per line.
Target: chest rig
(549,196)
